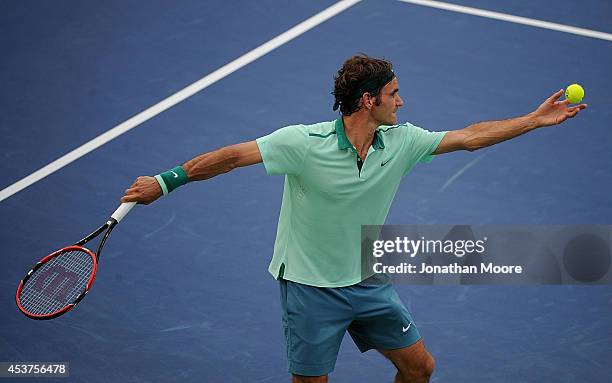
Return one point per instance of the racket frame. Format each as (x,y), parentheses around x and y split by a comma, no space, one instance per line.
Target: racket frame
(115,218)
(108,226)
(46,259)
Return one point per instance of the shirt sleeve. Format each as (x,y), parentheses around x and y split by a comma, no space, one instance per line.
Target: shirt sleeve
(284,150)
(421,143)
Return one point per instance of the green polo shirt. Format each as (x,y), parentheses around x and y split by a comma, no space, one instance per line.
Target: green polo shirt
(326,198)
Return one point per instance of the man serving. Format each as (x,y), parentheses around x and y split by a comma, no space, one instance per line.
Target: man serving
(340,175)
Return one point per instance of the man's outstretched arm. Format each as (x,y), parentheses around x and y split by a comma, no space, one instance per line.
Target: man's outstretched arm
(483,134)
(146,189)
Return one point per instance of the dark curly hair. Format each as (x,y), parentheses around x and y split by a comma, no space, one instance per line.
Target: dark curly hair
(358,75)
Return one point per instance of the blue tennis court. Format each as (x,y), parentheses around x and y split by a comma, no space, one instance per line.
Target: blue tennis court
(183,293)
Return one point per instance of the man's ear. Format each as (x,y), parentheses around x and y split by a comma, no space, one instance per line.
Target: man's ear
(367,100)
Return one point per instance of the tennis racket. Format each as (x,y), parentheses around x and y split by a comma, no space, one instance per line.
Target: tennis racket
(59,281)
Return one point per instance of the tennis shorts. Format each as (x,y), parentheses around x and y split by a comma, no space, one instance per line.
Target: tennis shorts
(316,318)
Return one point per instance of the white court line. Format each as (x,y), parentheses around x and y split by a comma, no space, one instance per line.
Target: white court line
(181,95)
(461,171)
(512,18)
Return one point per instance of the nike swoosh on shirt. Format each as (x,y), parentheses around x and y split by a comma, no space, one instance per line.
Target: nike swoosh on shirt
(404,329)
(384,163)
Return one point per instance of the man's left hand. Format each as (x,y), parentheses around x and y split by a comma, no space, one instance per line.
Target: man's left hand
(553,112)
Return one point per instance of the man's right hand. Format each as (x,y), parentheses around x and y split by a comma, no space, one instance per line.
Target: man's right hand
(144,190)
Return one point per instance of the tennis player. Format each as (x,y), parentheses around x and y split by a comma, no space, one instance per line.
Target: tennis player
(340,175)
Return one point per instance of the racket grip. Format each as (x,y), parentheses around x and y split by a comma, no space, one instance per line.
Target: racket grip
(123,209)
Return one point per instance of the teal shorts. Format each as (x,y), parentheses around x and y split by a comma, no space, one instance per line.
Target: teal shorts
(315,320)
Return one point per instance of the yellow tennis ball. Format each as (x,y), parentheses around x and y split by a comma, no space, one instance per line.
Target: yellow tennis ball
(574,93)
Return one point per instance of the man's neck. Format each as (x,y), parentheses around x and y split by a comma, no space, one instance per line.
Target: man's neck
(360,130)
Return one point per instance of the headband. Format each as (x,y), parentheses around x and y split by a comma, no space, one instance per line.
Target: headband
(371,85)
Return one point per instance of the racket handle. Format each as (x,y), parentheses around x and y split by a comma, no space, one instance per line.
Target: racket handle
(123,209)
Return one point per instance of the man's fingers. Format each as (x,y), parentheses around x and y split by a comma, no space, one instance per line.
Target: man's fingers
(134,198)
(555,96)
(140,191)
(577,108)
(129,198)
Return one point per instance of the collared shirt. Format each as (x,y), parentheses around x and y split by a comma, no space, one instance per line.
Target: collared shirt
(327,198)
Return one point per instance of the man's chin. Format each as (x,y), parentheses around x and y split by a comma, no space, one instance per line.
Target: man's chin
(392,121)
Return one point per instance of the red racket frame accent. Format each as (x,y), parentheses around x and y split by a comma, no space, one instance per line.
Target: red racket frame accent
(46,259)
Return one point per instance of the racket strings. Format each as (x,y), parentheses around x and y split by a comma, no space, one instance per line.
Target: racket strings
(57,283)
